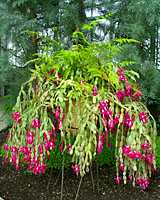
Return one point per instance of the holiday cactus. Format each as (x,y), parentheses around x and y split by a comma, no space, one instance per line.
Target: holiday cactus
(105,99)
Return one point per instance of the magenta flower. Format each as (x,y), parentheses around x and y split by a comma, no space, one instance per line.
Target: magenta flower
(126,149)
(139,180)
(105,121)
(14,159)
(120,94)
(69,148)
(57,112)
(143,117)
(81,81)
(100,145)
(17,166)
(61,146)
(6,159)
(36,90)
(16,116)
(131,154)
(35,76)
(118,180)
(116,119)
(52,70)
(128,121)
(22,149)
(145,145)
(76,168)
(44,81)
(60,123)
(122,166)
(57,79)
(128,88)
(130,178)
(95,91)
(137,154)
(143,186)
(146,181)
(29,140)
(144,157)
(149,158)
(121,76)
(36,169)
(29,166)
(36,123)
(103,105)
(52,143)
(27,158)
(40,149)
(111,124)
(5,146)
(106,130)
(42,168)
(14,149)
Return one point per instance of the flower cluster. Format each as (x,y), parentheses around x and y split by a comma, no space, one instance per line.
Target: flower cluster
(143,182)
(128,91)
(16,116)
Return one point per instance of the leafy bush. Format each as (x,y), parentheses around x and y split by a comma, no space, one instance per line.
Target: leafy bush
(158,151)
(84,90)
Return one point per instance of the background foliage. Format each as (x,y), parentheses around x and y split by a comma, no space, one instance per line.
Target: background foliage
(58,19)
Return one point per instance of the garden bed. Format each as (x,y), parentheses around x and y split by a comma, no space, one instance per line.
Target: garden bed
(21,185)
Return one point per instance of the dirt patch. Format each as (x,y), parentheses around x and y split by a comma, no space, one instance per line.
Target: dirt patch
(21,185)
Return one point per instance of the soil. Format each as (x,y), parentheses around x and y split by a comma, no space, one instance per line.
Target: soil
(21,185)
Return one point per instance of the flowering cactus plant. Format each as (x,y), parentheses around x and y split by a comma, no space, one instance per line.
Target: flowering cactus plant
(105,98)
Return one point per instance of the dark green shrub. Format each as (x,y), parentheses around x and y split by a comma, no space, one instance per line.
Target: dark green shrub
(158,151)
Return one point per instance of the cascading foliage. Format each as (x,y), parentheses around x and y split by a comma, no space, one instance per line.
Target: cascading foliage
(83,92)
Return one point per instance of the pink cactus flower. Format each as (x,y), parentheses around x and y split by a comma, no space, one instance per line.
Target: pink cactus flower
(126,149)
(121,76)
(14,149)
(144,157)
(22,149)
(130,178)
(100,145)
(5,146)
(128,121)
(139,180)
(57,112)
(116,119)
(120,94)
(105,121)
(143,117)
(61,146)
(52,70)
(118,180)
(122,166)
(6,159)
(35,76)
(76,168)
(16,116)
(60,123)
(143,186)
(69,148)
(131,154)
(111,124)
(137,154)
(95,91)
(81,82)
(145,145)
(36,123)
(40,148)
